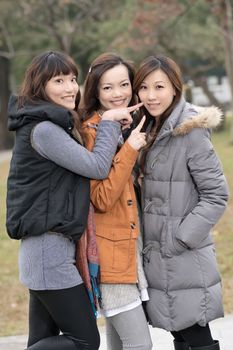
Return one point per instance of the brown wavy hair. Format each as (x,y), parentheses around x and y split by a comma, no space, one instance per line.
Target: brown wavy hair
(98,67)
(173,72)
(42,68)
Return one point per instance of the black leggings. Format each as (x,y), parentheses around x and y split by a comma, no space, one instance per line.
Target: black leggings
(194,336)
(67,311)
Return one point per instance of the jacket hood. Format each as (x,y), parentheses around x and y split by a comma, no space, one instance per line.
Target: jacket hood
(38,112)
(205,117)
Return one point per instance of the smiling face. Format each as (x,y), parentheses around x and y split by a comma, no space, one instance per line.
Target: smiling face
(62,90)
(115,90)
(156,92)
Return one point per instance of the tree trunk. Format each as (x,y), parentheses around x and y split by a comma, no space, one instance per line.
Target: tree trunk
(227,33)
(6,139)
(202,82)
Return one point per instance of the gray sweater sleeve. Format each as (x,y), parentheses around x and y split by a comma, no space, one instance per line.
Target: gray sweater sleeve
(53,143)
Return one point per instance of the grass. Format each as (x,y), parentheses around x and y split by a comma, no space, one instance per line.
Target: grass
(14,297)
(224,229)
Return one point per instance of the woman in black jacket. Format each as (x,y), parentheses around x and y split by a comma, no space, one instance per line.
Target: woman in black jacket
(48,198)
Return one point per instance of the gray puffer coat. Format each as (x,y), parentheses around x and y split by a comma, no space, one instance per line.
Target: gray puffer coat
(184,193)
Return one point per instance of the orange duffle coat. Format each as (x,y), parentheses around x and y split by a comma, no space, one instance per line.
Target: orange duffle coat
(116,214)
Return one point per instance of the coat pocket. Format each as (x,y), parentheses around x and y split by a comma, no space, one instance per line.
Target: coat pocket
(69,205)
(117,250)
(170,245)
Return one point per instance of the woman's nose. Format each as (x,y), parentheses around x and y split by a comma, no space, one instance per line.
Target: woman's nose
(151,95)
(69,86)
(116,92)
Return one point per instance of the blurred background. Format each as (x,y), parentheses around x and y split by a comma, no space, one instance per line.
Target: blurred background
(197,34)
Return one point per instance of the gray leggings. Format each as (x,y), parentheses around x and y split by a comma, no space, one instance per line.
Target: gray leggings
(128,330)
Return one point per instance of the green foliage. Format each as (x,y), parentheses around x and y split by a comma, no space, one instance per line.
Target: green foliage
(186,32)
(81,28)
(185,29)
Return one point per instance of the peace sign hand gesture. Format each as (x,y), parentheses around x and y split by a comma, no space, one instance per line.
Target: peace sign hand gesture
(137,139)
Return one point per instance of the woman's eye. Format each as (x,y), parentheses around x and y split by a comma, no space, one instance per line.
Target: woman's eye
(159,87)
(58,80)
(125,84)
(142,87)
(106,87)
(74,80)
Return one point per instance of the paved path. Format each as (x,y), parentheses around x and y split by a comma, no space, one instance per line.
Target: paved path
(222,330)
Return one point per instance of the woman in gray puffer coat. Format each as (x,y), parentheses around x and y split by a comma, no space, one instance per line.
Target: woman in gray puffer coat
(184,193)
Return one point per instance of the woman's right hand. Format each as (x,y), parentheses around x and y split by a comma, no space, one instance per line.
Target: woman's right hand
(121,115)
(137,139)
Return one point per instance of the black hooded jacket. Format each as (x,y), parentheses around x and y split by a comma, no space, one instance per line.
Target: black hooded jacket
(41,195)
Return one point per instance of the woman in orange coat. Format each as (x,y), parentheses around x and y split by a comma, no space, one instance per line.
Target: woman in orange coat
(123,285)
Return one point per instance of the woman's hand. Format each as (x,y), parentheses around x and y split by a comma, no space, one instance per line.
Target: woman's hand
(137,139)
(121,115)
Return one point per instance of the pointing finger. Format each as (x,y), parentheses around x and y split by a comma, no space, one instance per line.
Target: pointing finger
(140,125)
(133,108)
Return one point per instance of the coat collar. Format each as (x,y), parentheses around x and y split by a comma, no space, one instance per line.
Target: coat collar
(38,112)
(92,122)
(206,118)
(186,117)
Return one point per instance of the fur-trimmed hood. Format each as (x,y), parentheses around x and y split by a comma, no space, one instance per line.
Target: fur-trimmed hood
(206,117)
(185,117)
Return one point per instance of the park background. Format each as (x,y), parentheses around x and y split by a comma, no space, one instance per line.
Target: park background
(197,34)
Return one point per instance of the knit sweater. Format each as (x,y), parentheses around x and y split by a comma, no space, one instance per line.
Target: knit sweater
(116,296)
